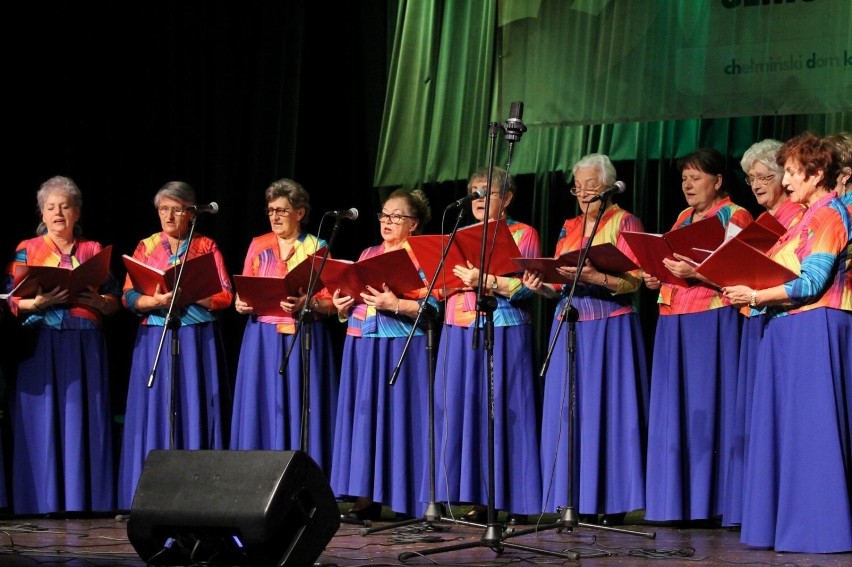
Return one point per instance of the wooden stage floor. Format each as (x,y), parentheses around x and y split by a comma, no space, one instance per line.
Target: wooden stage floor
(103,541)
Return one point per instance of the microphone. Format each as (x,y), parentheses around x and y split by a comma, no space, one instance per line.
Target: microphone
(472,196)
(514,126)
(351,214)
(211,208)
(617,187)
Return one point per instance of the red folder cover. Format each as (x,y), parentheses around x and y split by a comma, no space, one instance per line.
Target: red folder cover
(737,263)
(650,249)
(200,278)
(605,257)
(763,233)
(92,272)
(466,247)
(394,269)
(265,293)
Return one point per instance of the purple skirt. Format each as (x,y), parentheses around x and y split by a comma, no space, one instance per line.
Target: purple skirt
(798,484)
(732,505)
(268,405)
(201,403)
(62,426)
(610,422)
(693,391)
(381,435)
(461,420)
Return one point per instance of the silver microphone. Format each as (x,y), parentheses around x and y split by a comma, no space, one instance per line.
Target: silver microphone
(472,196)
(211,208)
(617,187)
(351,214)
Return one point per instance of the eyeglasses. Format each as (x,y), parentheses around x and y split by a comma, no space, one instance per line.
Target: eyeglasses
(575,190)
(177,211)
(393,218)
(761,179)
(280,211)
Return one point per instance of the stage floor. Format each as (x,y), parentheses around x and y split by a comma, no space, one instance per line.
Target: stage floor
(87,541)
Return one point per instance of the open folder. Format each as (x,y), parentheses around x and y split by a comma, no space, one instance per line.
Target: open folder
(738,263)
(394,269)
(93,272)
(605,257)
(651,249)
(466,247)
(200,278)
(265,293)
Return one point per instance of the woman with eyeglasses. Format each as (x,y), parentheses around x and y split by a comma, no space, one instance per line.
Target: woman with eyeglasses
(764,175)
(268,407)
(462,405)
(61,417)
(200,396)
(611,391)
(694,366)
(380,441)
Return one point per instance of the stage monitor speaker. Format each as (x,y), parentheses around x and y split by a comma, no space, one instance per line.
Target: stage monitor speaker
(248,508)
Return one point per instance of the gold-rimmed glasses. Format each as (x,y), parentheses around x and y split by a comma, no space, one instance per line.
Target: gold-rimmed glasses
(763,180)
(393,218)
(588,188)
(165,210)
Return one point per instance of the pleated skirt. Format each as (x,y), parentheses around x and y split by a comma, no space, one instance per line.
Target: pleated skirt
(199,409)
(380,448)
(693,392)
(268,405)
(62,458)
(610,425)
(798,482)
(462,408)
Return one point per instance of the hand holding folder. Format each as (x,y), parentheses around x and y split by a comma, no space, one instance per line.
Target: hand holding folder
(265,293)
(604,257)
(394,269)
(200,278)
(651,249)
(91,273)
(466,247)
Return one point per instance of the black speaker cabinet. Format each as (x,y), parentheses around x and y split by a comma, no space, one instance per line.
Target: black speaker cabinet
(248,508)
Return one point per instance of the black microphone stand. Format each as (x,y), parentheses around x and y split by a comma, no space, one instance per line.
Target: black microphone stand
(569,517)
(494,535)
(172,324)
(434,511)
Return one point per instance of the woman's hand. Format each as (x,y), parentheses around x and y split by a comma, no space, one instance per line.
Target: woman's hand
(469,275)
(242,307)
(384,299)
(45,299)
(651,282)
(343,303)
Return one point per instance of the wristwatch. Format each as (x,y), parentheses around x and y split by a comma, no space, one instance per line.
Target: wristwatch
(494,284)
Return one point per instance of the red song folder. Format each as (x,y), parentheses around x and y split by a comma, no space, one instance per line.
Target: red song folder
(605,257)
(265,293)
(394,269)
(92,272)
(650,249)
(466,247)
(200,278)
(763,233)
(737,263)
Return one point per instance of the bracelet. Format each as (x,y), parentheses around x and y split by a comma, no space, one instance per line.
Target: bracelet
(753,302)
(605,280)
(396,311)
(494,284)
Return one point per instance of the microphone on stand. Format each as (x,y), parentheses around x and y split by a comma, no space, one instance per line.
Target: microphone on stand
(472,196)
(617,187)
(351,214)
(514,127)
(211,208)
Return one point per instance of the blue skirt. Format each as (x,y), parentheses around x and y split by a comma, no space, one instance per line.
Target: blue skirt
(62,425)
(381,435)
(461,420)
(268,405)
(610,423)
(202,400)
(732,505)
(798,483)
(693,391)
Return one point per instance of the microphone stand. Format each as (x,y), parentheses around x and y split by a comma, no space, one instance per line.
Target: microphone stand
(434,511)
(569,517)
(494,535)
(172,324)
